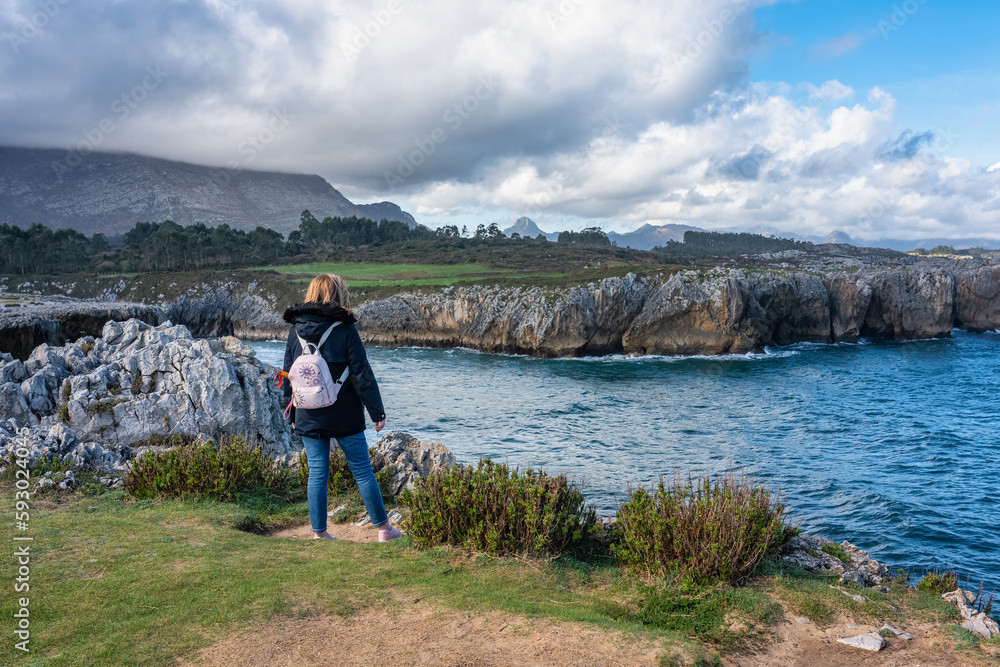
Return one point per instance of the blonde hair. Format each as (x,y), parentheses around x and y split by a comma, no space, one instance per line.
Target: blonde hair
(328,288)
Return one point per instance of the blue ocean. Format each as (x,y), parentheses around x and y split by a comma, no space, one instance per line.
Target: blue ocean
(891,445)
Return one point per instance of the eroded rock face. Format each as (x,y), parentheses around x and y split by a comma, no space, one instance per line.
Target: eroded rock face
(563,323)
(978,299)
(223,312)
(410,459)
(907,305)
(718,312)
(23,329)
(690,314)
(93,400)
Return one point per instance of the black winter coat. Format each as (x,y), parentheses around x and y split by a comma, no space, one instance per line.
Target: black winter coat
(342,348)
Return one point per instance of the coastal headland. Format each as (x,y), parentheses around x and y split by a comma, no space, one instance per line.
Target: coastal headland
(686,312)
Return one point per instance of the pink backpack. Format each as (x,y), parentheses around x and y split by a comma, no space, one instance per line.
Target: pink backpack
(312,385)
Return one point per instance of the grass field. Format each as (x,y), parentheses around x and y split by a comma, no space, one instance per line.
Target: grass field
(381,274)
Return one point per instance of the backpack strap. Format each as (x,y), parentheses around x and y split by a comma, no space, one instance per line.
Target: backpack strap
(305,346)
(315,348)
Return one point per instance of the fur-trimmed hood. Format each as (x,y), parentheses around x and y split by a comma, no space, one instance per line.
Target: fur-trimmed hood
(329,312)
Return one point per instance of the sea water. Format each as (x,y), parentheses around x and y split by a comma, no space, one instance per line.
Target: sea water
(893,446)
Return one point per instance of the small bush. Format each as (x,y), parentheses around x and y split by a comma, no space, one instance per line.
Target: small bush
(104,406)
(341,479)
(206,470)
(938,582)
(63,413)
(499,511)
(718,614)
(86,347)
(699,529)
(837,551)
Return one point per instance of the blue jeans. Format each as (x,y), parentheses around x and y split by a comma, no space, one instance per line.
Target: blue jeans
(355,449)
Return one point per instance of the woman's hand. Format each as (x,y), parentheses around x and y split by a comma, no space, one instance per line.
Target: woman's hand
(379,426)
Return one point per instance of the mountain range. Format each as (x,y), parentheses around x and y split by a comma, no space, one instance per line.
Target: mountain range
(110,192)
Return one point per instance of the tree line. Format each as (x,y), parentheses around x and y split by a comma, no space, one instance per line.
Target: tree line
(728,244)
(168,246)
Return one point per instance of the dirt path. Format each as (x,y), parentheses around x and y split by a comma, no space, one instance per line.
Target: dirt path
(419,634)
(342,531)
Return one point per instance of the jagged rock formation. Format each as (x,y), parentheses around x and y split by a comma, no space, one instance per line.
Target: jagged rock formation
(227,312)
(723,311)
(24,328)
(94,400)
(110,192)
(807,551)
(975,620)
(978,299)
(409,459)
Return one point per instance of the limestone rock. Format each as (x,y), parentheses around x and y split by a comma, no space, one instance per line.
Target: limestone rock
(56,323)
(13,404)
(806,551)
(910,304)
(409,459)
(136,382)
(975,621)
(978,299)
(872,641)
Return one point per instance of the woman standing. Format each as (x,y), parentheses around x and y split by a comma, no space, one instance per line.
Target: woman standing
(327,301)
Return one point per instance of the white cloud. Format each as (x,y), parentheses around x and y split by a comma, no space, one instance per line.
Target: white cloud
(785,167)
(577,109)
(831,91)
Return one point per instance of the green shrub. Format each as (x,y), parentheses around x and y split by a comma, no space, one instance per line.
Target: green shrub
(218,472)
(837,551)
(63,413)
(499,511)
(701,530)
(716,614)
(104,405)
(341,479)
(938,582)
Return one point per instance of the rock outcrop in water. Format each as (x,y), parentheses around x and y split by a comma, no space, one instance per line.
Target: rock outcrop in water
(723,311)
(92,402)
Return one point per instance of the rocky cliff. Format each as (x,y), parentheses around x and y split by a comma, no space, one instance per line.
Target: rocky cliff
(722,311)
(24,327)
(691,312)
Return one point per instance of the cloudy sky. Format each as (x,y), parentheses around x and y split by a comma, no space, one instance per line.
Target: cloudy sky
(878,118)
